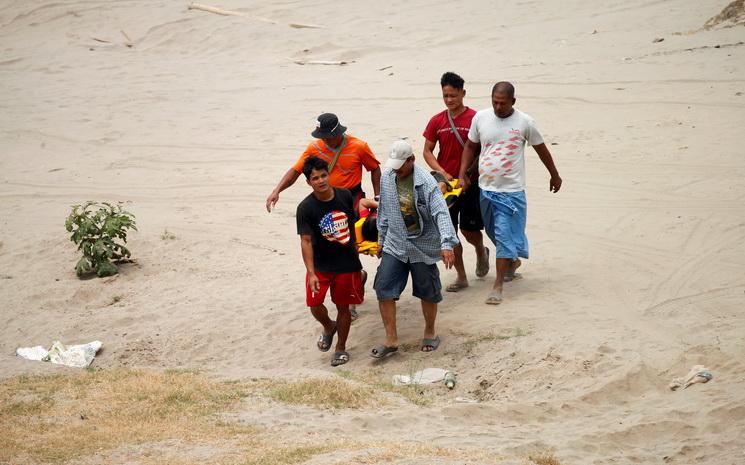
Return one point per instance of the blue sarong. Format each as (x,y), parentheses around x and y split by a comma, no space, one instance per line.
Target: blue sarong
(505,214)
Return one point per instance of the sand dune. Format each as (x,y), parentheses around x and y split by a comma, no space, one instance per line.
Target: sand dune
(637,264)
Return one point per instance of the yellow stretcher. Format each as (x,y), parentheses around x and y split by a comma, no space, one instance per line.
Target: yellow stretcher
(371,248)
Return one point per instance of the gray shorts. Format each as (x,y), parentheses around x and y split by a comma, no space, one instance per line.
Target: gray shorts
(393,274)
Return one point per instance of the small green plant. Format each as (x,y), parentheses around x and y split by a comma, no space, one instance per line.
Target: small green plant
(97,229)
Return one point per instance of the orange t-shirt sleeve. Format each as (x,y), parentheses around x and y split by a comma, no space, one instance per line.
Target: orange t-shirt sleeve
(368,158)
(298,166)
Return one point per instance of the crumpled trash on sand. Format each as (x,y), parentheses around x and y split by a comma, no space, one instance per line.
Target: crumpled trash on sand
(426,376)
(698,374)
(79,356)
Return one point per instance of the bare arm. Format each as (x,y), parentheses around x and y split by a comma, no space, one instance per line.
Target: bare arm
(306,246)
(287,180)
(474,168)
(429,157)
(467,159)
(368,204)
(375,178)
(555,183)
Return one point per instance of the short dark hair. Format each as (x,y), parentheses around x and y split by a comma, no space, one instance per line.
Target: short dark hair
(452,80)
(504,87)
(314,163)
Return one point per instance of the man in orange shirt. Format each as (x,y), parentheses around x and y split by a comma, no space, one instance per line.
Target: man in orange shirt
(345,155)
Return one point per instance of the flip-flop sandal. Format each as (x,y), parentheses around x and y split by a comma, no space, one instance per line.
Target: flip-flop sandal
(514,276)
(383,351)
(340,358)
(325,341)
(482,269)
(456,286)
(433,343)
(495,298)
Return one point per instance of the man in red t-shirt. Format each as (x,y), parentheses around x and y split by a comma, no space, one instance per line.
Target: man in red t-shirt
(346,156)
(450,128)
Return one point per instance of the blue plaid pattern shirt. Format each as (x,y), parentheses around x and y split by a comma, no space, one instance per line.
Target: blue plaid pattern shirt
(436,231)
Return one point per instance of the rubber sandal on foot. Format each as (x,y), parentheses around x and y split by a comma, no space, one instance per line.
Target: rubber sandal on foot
(456,286)
(495,298)
(383,351)
(340,358)
(430,345)
(325,341)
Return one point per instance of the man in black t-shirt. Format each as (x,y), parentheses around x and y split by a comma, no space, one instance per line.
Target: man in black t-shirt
(325,223)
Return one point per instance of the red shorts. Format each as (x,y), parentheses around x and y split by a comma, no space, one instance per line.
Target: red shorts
(346,289)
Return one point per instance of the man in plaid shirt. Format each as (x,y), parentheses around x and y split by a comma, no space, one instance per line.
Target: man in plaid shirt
(415,232)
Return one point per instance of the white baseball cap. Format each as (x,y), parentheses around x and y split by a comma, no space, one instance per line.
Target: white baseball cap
(401,150)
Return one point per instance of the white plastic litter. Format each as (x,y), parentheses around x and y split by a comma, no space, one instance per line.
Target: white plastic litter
(426,376)
(32,353)
(79,356)
(698,374)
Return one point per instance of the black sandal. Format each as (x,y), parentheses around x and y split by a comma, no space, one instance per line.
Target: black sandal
(383,351)
(325,341)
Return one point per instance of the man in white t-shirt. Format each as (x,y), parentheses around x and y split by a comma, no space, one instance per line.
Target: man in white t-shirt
(502,132)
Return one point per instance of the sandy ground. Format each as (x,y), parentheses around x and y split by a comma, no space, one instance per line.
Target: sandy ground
(637,267)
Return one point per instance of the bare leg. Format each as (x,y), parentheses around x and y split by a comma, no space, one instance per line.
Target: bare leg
(353,308)
(503,266)
(512,273)
(461,280)
(388,315)
(321,314)
(343,322)
(476,239)
(429,310)
(431,341)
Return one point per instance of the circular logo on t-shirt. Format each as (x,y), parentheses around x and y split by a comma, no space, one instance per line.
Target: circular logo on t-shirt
(335,227)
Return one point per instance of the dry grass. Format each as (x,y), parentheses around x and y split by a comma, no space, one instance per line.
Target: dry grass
(286,455)
(352,452)
(353,391)
(387,453)
(413,394)
(174,418)
(544,458)
(52,419)
(332,393)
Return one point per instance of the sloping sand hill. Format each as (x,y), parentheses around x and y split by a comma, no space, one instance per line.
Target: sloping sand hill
(190,118)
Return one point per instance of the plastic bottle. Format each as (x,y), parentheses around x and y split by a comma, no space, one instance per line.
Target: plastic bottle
(450,380)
